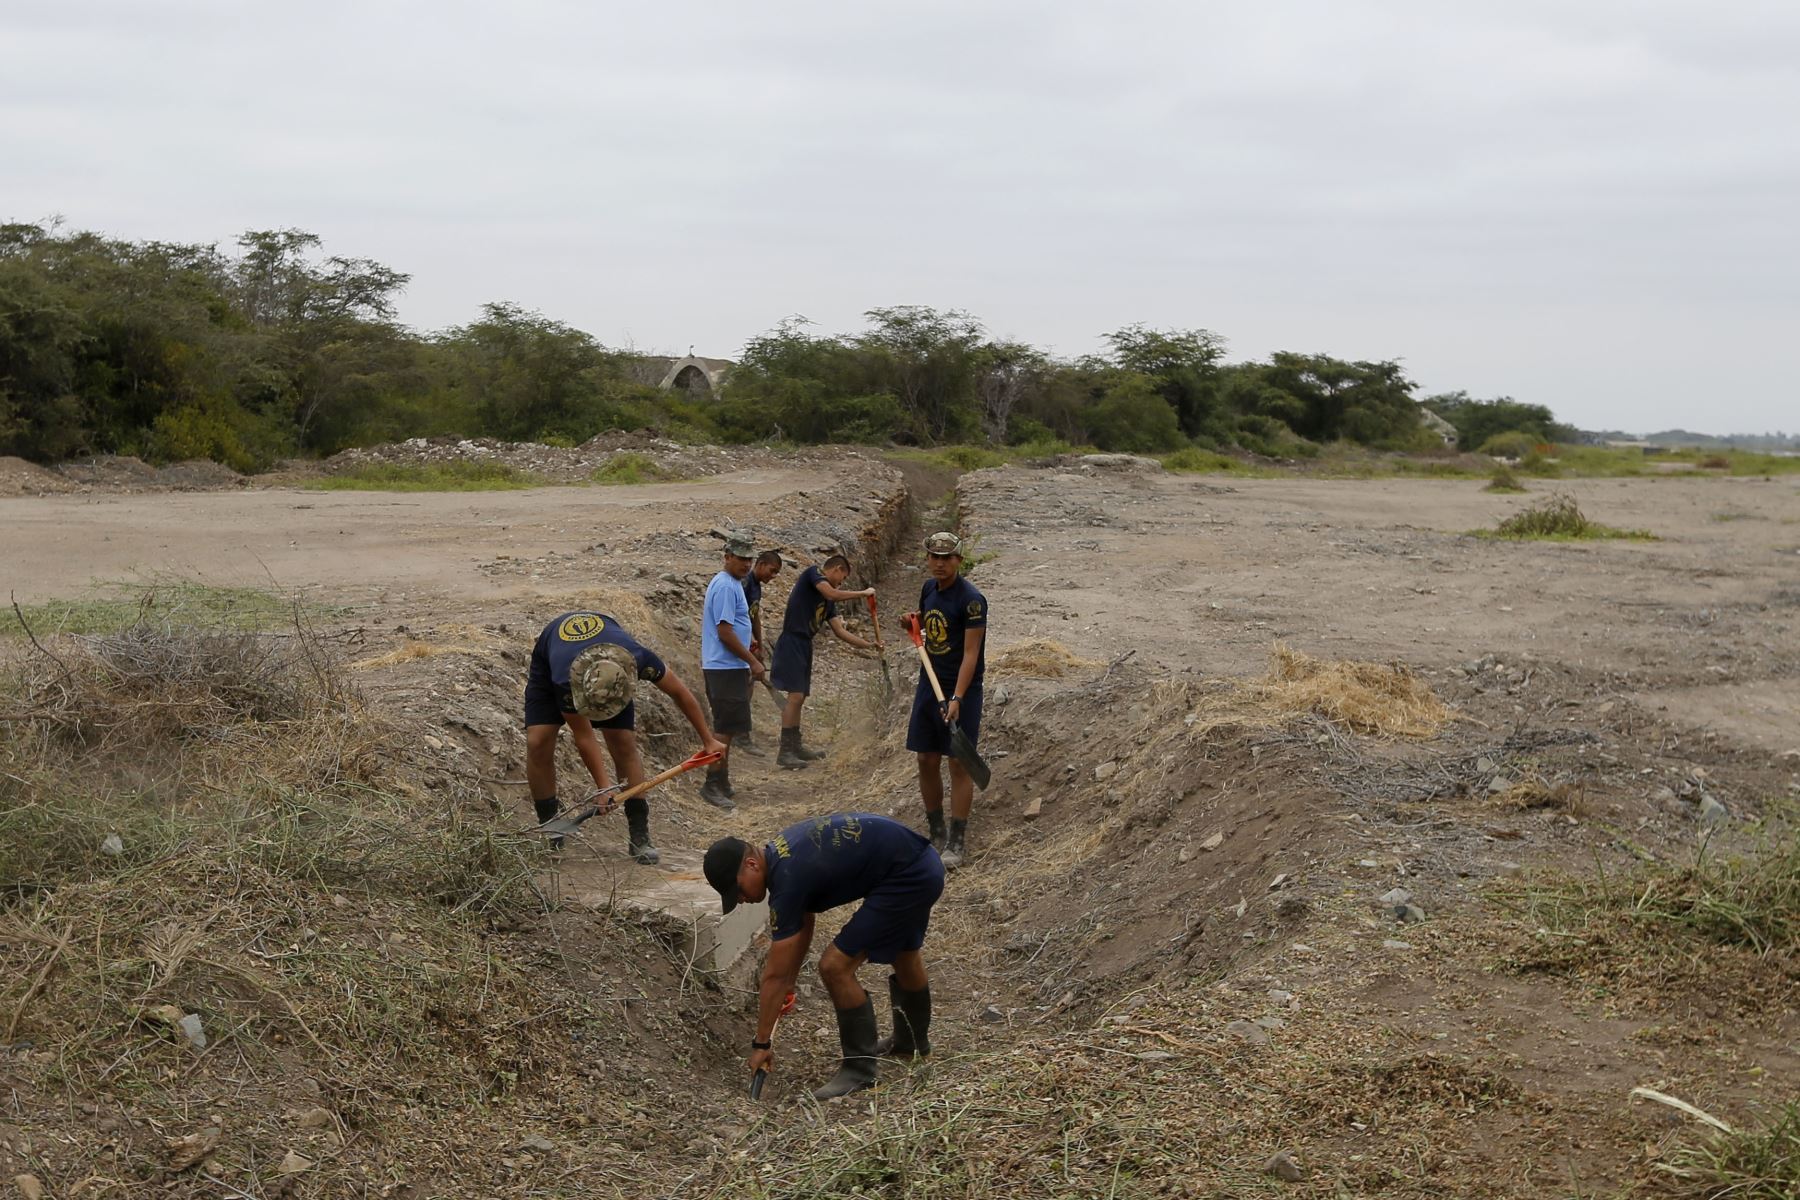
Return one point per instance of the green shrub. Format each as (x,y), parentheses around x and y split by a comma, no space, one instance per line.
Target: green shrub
(1511,444)
(1558,518)
(1192,460)
(1503,480)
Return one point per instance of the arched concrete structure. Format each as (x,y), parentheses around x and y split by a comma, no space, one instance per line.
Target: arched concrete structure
(692,373)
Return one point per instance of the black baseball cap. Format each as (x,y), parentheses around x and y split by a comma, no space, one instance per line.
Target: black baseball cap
(723,858)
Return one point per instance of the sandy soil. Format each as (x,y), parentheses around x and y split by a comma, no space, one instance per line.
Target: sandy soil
(356,546)
(1201,574)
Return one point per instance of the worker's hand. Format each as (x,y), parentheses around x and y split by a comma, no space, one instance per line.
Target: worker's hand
(756,649)
(712,745)
(866,592)
(757,670)
(762,1060)
(952,710)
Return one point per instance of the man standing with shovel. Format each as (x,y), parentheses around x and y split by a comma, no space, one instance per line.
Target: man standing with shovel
(952,621)
(584,669)
(821,864)
(809,609)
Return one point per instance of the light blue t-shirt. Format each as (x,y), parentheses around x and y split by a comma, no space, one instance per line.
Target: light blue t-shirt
(724,602)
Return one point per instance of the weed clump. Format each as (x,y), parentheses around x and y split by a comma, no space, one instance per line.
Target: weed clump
(1759,1164)
(630,468)
(1042,658)
(429,477)
(1504,481)
(1557,518)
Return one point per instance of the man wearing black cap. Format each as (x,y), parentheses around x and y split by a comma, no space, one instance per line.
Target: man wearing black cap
(821,864)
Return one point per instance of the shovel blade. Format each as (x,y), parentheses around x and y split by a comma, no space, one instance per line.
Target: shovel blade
(964,751)
(570,821)
(756,1083)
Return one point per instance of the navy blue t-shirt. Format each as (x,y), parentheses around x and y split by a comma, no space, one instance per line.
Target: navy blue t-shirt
(944,616)
(568,635)
(807,610)
(753,593)
(828,861)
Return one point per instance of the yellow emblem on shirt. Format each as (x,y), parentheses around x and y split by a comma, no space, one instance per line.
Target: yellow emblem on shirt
(579,627)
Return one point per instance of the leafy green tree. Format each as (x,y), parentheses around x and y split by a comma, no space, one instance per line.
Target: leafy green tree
(928,360)
(1131,415)
(1479,421)
(1184,366)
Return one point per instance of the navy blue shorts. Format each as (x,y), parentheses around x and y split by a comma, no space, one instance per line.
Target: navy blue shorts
(545,702)
(893,917)
(791,669)
(926,733)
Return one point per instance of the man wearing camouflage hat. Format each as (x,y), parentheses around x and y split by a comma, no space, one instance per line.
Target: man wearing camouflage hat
(726,662)
(583,672)
(952,618)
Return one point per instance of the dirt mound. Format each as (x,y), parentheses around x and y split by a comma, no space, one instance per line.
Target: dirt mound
(198,475)
(110,472)
(21,478)
(1042,659)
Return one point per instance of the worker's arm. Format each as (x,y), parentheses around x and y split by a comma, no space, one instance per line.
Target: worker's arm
(844,635)
(672,687)
(728,638)
(965,674)
(587,745)
(780,971)
(831,593)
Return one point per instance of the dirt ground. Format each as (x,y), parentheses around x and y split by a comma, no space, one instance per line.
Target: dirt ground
(1183,951)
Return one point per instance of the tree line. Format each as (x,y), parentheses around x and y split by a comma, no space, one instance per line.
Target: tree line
(275,348)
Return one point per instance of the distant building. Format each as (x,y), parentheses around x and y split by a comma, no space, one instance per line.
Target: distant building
(1438,425)
(690,373)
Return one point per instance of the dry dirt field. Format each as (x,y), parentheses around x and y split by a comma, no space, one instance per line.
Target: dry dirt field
(1181,947)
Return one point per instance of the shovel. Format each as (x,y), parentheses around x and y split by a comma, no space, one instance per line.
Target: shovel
(762,1073)
(887,674)
(609,799)
(960,745)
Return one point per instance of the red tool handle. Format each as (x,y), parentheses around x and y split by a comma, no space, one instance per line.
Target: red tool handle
(911,621)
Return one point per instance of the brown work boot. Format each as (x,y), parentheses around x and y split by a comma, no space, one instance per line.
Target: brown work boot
(790,756)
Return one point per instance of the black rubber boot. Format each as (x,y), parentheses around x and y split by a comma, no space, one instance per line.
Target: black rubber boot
(790,756)
(637,819)
(805,751)
(935,818)
(912,1021)
(954,851)
(547,808)
(725,777)
(856,1032)
(743,743)
(714,792)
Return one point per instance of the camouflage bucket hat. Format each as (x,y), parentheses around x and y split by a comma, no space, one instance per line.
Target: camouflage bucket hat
(943,543)
(740,545)
(601,680)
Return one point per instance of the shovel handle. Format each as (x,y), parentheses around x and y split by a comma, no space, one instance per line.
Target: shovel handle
(875,623)
(762,1073)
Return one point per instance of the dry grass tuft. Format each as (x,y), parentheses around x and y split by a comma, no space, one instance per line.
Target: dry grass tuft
(1534,792)
(1043,659)
(1384,701)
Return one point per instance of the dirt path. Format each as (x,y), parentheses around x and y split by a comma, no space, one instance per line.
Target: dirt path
(350,546)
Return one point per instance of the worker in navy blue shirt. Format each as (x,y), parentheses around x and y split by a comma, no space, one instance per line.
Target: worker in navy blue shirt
(767,566)
(953,620)
(821,864)
(583,672)
(809,609)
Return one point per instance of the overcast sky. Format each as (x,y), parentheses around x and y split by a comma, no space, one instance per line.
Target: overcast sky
(1593,205)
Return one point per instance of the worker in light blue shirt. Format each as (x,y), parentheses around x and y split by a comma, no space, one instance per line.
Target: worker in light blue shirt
(726,662)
